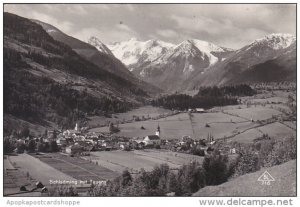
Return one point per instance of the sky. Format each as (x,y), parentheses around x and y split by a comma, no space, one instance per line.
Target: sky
(227,25)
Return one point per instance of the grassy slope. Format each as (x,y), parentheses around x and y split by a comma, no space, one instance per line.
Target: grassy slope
(247,185)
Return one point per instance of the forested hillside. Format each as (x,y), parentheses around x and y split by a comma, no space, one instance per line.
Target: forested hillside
(45,80)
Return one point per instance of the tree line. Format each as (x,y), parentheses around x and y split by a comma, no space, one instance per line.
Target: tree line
(206,97)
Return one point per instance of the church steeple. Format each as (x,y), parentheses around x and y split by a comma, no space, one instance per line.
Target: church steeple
(158,130)
(76,127)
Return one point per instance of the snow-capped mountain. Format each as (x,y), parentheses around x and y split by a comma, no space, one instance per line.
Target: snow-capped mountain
(134,53)
(275,41)
(208,52)
(194,62)
(271,58)
(94,41)
(263,49)
(164,64)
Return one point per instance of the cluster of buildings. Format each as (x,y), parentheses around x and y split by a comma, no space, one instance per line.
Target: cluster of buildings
(77,140)
(80,141)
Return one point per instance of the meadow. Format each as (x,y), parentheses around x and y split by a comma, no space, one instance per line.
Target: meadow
(135,160)
(200,125)
(144,111)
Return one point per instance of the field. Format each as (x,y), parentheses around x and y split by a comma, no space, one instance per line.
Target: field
(147,159)
(248,136)
(77,168)
(235,122)
(255,113)
(145,111)
(37,169)
(182,124)
(13,178)
(277,130)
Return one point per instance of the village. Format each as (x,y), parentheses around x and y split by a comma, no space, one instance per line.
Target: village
(79,141)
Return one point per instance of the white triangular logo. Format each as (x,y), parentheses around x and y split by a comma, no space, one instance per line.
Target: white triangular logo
(266,177)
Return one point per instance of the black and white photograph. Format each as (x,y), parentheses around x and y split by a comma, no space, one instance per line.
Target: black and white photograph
(149,100)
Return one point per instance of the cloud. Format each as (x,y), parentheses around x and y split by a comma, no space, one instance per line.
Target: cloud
(124,27)
(230,25)
(85,33)
(64,26)
(106,34)
(166,33)
(77,9)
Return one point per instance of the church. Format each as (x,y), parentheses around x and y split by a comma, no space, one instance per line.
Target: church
(153,139)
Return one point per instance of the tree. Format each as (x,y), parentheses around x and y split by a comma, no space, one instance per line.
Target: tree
(192,178)
(25,132)
(7,146)
(54,134)
(248,161)
(46,133)
(126,178)
(31,146)
(217,169)
(53,146)
(173,185)
(112,128)
(40,147)
(196,150)
(21,147)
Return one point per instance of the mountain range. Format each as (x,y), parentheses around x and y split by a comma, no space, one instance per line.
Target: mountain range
(190,64)
(194,63)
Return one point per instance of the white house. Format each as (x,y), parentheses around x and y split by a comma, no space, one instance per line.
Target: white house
(200,110)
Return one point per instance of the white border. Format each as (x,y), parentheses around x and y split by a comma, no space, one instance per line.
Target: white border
(128,201)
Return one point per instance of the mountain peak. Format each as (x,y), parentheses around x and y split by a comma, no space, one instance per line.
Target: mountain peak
(94,41)
(132,51)
(276,41)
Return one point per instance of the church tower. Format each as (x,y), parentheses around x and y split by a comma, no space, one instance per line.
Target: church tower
(157,131)
(76,127)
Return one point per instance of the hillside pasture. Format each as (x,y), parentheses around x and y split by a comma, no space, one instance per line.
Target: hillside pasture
(135,160)
(255,113)
(274,130)
(290,124)
(274,100)
(277,130)
(221,130)
(248,136)
(144,111)
(247,185)
(172,127)
(182,124)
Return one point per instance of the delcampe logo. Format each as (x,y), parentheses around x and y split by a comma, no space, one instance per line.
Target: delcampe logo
(266,178)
